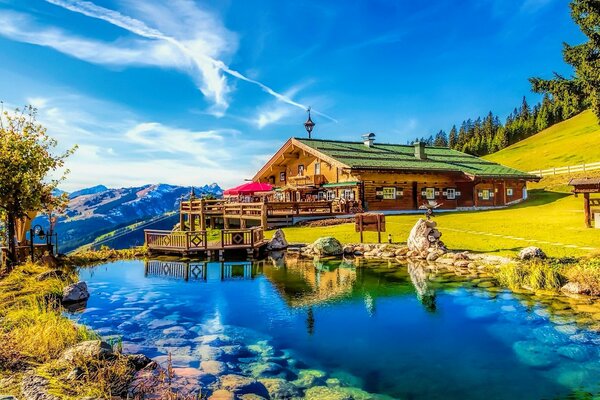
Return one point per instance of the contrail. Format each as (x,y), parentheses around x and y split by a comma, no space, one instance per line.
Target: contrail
(139,28)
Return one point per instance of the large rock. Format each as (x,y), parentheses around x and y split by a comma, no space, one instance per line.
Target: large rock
(424,238)
(91,349)
(327,246)
(532,253)
(278,242)
(239,385)
(576,288)
(75,293)
(34,387)
(280,389)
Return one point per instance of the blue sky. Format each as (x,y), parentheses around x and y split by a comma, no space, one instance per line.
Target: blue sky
(190,92)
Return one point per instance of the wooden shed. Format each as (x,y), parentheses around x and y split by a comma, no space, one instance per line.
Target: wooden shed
(587,186)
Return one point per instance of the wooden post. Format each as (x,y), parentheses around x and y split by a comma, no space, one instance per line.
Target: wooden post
(181,220)
(192,222)
(378,228)
(586,210)
(263,216)
(360,227)
(202,216)
(242,223)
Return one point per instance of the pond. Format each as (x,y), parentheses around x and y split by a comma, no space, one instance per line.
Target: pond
(397,331)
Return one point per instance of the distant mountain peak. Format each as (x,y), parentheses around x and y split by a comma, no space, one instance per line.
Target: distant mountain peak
(87,191)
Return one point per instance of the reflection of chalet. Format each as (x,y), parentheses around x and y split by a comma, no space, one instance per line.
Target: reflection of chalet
(388,176)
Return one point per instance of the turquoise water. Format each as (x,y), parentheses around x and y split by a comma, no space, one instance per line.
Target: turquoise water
(388,329)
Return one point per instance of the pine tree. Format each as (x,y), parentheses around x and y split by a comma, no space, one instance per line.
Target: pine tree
(583,89)
(441,139)
(453,137)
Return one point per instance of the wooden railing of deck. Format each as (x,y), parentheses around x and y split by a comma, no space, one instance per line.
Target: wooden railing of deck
(197,240)
(300,208)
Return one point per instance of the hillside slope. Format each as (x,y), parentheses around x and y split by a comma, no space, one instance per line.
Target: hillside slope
(571,142)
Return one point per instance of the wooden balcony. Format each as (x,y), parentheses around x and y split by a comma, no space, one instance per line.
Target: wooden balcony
(196,241)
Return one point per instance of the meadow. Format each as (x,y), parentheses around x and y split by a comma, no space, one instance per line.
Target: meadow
(552,221)
(571,142)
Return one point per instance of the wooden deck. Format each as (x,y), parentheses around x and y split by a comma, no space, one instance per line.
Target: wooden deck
(189,242)
(267,215)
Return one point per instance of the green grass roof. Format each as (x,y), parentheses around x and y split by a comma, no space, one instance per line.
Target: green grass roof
(402,157)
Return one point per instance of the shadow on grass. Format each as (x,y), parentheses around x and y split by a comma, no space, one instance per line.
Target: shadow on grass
(496,250)
(540,197)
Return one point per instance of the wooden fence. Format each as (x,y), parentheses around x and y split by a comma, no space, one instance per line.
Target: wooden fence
(566,170)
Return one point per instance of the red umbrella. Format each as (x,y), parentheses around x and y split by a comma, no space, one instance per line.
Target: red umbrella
(248,188)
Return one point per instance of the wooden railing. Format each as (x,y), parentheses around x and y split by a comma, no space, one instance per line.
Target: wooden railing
(566,170)
(197,240)
(256,210)
(300,208)
(179,240)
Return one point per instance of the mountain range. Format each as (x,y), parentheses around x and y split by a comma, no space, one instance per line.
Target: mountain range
(98,211)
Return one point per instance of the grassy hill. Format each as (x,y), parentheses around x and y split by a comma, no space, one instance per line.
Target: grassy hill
(570,142)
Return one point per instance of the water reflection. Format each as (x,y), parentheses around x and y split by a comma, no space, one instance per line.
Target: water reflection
(425,293)
(201,271)
(407,331)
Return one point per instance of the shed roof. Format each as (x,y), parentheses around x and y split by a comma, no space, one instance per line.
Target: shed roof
(402,157)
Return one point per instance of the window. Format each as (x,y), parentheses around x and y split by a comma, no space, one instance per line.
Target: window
(348,194)
(282,177)
(300,170)
(509,192)
(321,196)
(430,193)
(485,194)
(389,193)
(451,194)
(330,195)
(317,168)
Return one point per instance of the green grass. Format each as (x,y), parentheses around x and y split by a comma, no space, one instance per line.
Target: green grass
(570,142)
(546,216)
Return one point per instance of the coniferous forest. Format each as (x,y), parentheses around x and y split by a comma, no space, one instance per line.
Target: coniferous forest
(562,97)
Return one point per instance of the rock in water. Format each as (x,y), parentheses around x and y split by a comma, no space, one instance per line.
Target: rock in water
(424,237)
(328,246)
(532,253)
(75,292)
(278,242)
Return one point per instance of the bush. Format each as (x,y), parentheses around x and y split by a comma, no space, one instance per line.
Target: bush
(537,275)
(586,274)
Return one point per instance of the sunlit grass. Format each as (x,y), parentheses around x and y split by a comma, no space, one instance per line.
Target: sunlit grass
(556,218)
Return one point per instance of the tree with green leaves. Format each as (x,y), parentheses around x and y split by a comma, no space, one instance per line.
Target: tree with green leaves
(582,90)
(29,170)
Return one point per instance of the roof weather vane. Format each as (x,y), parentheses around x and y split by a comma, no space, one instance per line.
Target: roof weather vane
(309,124)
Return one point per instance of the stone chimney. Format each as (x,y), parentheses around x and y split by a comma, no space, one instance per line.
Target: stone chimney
(369,139)
(420,150)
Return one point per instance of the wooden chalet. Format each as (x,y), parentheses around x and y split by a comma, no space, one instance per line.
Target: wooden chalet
(368,176)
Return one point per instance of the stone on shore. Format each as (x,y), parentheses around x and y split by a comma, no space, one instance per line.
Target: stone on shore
(278,242)
(239,385)
(34,387)
(91,349)
(532,253)
(424,238)
(327,246)
(75,292)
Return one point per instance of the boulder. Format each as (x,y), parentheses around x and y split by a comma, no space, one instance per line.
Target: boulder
(348,250)
(34,387)
(239,385)
(424,236)
(278,242)
(532,253)
(327,246)
(576,288)
(138,361)
(91,349)
(222,394)
(280,389)
(75,292)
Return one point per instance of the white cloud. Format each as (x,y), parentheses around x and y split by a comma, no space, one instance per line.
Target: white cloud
(118,148)
(174,34)
(274,111)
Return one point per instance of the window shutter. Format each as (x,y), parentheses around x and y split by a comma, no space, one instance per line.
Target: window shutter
(379,193)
